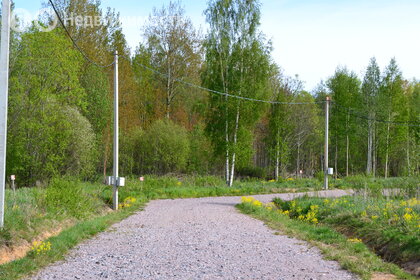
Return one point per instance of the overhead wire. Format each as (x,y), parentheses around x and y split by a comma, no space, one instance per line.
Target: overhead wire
(74,42)
(353,112)
(349,110)
(216,91)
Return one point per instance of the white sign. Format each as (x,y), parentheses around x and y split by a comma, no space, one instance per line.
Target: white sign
(121,182)
(12,177)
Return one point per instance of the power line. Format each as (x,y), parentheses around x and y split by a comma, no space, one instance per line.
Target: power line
(352,112)
(219,92)
(74,42)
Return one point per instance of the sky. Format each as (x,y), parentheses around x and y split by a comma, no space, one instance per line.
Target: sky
(311,38)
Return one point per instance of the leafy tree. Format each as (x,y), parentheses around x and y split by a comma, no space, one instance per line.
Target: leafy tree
(237,62)
(393,104)
(284,89)
(44,80)
(344,87)
(165,148)
(370,92)
(174,46)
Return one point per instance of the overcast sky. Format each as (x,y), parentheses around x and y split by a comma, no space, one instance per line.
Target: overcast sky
(310,37)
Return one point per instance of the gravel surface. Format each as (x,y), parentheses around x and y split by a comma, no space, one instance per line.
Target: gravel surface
(203,238)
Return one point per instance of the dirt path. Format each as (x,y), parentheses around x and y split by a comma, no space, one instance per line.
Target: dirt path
(195,239)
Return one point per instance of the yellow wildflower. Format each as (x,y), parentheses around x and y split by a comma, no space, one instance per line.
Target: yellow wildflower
(408,217)
(355,240)
(257,203)
(40,247)
(247,199)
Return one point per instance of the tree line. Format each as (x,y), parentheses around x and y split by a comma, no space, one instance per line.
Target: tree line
(60,104)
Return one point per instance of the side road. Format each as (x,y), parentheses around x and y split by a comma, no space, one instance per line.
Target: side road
(204,238)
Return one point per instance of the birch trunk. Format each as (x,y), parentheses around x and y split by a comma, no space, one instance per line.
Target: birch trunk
(347,146)
(227,148)
(235,140)
(374,150)
(408,152)
(387,146)
(276,171)
(370,148)
(298,159)
(168,92)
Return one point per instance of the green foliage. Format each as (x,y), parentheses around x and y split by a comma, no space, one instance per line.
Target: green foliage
(81,151)
(348,251)
(252,172)
(388,226)
(69,199)
(165,148)
(238,65)
(199,159)
(131,152)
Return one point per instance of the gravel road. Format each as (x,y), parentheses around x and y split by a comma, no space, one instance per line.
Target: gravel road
(203,238)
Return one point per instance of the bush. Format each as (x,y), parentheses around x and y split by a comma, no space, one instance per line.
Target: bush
(252,172)
(81,150)
(130,152)
(68,198)
(200,152)
(165,148)
(54,141)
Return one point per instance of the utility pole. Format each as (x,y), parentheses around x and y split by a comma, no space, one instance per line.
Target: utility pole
(327,119)
(116,127)
(4,91)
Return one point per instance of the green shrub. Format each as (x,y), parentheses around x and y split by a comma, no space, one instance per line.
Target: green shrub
(69,199)
(165,147)
(252,172)
(200,152)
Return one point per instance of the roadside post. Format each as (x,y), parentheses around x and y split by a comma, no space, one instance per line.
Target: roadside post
(4,91)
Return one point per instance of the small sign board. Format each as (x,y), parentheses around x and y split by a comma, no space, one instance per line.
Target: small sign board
(12,177)
(110,181)
(330,171)
(121,182)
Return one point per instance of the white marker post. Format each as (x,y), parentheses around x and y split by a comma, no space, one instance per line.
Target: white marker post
(4,90)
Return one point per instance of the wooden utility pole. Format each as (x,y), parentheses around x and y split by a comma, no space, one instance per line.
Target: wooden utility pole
(327,119)
(4,90)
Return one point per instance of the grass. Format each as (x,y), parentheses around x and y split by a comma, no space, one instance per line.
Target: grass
(62,243)
(389,226)
(82,209)
(320,222)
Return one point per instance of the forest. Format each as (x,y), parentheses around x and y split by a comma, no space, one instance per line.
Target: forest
(189,103)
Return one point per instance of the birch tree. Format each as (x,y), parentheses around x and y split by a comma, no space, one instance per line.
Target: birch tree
(174,45)
(370,91)
(393,103)
(237,63)
(284,89)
